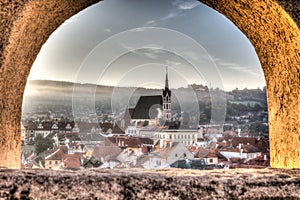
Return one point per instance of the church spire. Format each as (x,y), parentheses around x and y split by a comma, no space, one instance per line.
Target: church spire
(167,116)
(167,81)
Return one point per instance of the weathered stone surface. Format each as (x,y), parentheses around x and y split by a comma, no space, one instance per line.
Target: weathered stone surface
(27,24)
(137,184)
(30,23)
(276,39)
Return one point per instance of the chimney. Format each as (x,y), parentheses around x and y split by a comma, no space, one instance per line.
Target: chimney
(161,144)
(240,145)
(239,132)
(241,152)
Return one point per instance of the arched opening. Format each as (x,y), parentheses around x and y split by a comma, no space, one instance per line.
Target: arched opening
(206,56)
(272,32)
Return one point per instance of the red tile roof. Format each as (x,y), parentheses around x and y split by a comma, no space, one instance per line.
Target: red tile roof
(106,152)
(248,148)
(72,161)
(124,141)
(260,144)
(57,155)
(106,126)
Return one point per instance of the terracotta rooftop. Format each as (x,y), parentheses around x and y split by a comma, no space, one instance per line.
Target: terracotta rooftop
(57,155)
(124,141)
(106,152)
(72,161)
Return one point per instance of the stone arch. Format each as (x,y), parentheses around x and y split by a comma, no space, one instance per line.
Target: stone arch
(268,24)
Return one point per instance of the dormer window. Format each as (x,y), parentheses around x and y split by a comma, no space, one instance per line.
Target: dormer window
(54,126)
(40,126)
(68,126)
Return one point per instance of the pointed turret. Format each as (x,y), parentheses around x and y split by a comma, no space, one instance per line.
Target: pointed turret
(167,91)
(167,99)
(167,81)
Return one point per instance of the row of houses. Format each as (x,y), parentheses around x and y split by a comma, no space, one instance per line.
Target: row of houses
(139,152)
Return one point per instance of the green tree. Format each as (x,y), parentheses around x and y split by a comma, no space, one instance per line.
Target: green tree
(41,144)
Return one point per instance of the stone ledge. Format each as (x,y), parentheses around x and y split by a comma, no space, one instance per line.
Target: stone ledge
(158,184)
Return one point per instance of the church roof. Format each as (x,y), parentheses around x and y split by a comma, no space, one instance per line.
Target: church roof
(146,107)
(166,92)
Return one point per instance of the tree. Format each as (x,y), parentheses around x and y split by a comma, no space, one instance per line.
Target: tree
(41,144)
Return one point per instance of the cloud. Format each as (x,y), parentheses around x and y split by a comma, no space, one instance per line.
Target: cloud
(151,23)
(185,5)
(172,63)
(170,16)
(180,7)
(238,68)
(150,52)
(107,30)
(191,55)
(140,29)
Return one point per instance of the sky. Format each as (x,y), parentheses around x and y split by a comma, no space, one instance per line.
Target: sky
(130,43)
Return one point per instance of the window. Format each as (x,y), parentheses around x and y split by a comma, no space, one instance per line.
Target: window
(158,162)
(211,160)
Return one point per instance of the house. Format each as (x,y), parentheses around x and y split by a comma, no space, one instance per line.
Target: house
(87,127)
(91,162)
(230,152)
(107,155)
(132,131)
(64,138)
(174,151)
(213,132)
(60,160)
(151,161)
(54,160)
(243,152)
(75,147)
(45,128)
(106,127)
(201,142)
(146,131)
(128,157)
(129,142)
(186,136)
(261,161)
(251,151)
(189,164)
(262,145)
(72,161)
(209,156)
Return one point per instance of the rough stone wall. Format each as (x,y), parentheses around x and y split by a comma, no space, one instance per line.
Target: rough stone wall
(135,184)
(276,39)
(273,33)
(30,23)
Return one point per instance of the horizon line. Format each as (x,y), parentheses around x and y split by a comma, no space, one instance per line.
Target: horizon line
(261,87)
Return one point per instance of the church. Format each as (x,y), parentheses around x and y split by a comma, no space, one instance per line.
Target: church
(153,110)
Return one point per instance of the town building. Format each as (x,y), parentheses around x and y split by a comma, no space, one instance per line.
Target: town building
(186,137)
(152,110)
(173,151)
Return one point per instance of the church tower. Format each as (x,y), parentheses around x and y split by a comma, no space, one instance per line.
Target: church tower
(167,100)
